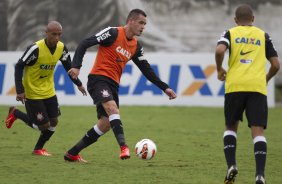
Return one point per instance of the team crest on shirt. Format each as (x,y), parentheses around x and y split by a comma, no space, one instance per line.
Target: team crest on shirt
(39,116)
(105,93)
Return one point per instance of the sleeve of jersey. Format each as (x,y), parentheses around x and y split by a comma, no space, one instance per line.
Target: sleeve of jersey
(147,70)
(269,47)
(66,61)
(105,37)
(224,39)
(28,58)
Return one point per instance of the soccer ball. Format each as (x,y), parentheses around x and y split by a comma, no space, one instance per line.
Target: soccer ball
(145,149)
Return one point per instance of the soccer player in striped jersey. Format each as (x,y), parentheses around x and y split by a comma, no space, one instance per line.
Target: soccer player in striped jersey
(246,86)
(117,45)
(34,80)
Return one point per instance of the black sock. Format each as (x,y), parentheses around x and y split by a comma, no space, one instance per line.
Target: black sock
(43,138)
(230,149)
(117,128)
(260,150)
(90,137)
(23,116)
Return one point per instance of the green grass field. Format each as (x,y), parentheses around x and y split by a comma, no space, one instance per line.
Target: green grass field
(189,142)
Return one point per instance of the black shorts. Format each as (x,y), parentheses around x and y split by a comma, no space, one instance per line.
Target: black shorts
(254,104)
(40,111)
(102,89)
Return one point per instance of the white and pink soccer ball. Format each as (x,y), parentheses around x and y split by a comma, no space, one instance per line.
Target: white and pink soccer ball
(145,149)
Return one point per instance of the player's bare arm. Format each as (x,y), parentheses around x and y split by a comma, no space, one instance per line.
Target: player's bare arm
(21,97)
(170,93)
(82,90)
(74,72)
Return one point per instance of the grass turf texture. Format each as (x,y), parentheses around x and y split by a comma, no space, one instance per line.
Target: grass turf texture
(188,139)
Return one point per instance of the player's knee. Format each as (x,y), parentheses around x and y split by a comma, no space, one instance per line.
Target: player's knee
(112,110)
(111,107)
(44,126)
(54,122)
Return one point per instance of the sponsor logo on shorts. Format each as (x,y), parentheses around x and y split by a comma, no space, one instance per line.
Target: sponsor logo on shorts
(105,93)
(39,116)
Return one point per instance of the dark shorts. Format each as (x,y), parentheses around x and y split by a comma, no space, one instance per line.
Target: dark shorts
(40,111)
(102,89)
(254,104)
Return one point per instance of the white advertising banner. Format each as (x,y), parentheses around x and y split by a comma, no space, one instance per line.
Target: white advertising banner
(192,76)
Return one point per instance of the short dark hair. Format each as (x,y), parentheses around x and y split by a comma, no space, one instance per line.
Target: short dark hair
(133,14)
(244,13)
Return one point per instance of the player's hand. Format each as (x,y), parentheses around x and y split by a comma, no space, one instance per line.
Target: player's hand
(21,97)
(170,93)
(221,74)
(74,72)
(82,90)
